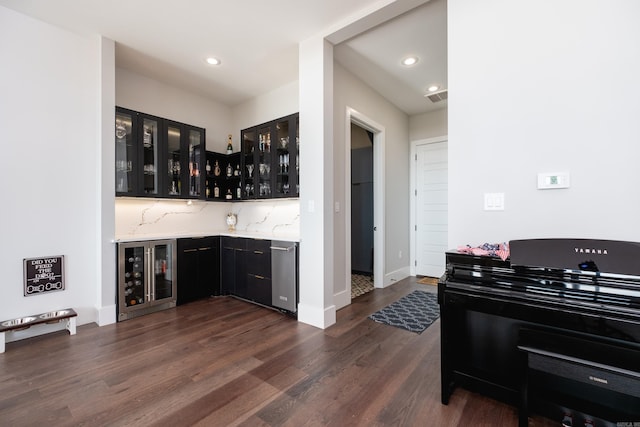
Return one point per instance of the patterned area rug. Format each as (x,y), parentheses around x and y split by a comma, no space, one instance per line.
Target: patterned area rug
(360,285)
(414,312)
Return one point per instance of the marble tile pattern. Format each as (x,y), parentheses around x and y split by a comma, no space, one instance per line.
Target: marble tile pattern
(148,218)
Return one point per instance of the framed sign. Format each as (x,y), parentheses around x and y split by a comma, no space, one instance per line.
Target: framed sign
(43,275)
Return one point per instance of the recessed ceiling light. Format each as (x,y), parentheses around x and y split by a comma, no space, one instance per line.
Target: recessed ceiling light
(409,61)
(433,88)
(213,61)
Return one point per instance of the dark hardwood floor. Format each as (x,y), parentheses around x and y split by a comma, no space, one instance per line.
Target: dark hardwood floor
(222,361)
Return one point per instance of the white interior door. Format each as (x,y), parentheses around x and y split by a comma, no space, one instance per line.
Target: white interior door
(431,208)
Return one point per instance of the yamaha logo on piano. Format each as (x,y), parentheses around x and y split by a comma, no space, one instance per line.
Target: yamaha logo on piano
(591,251)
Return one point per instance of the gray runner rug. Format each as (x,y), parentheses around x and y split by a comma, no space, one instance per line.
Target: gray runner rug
(413,312)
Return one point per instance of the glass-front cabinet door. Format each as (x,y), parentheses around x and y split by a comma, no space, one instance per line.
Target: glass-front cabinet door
(287,160)
(150,131)
(175,159)
(264,183)
(270,159)
(249,147)
(196,156)
(126,152)
(297,167)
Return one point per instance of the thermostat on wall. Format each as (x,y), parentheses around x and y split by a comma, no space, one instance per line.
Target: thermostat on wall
(548,181)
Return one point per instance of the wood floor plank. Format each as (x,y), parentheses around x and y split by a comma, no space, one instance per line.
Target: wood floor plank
(224,362)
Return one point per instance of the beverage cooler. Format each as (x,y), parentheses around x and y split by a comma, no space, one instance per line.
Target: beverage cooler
(146,277)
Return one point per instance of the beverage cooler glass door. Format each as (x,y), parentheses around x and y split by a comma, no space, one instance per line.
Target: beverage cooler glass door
(163,287)
(132,277)
(125,153)
(146,277)
(150,155)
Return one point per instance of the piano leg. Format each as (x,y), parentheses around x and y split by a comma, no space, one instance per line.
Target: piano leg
(523,410)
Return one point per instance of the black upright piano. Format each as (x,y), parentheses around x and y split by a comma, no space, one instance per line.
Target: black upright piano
(554,329)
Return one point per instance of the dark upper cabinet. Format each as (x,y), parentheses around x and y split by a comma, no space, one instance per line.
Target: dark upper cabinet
(270,161)
(156,157)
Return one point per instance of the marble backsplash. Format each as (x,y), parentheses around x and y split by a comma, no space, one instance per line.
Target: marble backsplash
(149,218)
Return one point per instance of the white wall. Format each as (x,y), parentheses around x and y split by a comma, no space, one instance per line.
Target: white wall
(141,93)
(49,114)
(428,125)
(544,87)
(280,102)
(349,91)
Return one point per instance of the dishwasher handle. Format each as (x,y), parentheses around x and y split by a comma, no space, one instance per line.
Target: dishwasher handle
(280,248)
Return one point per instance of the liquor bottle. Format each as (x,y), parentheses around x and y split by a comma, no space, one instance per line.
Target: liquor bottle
(237,171)
(216,190)
(229,170)
(239,191)
(208,190)
(228,196)
(216,169)
(229,146)
(208,168)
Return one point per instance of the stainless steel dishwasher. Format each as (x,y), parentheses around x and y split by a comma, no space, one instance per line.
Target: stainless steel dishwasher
(284,275)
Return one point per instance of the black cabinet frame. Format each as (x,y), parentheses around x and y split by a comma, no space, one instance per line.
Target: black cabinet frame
(270,160)
(151,178)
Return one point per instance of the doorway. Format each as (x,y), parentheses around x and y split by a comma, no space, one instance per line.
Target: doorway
(430,206)
(361,211)
(377,133)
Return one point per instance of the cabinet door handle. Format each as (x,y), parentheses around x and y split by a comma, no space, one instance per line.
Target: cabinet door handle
(279,248)
(190,250)
(258,277)
(258,252)
(204,249)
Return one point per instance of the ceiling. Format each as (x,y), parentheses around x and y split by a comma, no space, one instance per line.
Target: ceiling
(257,42)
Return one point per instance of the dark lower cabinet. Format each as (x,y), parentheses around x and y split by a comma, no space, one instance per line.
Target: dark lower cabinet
(246,269)
(258,271)
(233,281)
(198,268)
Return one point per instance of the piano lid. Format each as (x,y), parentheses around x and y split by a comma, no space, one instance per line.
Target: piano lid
(604,256)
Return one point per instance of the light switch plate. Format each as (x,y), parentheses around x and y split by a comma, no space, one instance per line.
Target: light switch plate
(493,201)
(553,180)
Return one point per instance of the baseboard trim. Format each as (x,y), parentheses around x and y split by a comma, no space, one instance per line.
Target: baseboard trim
(396,276)
(316,316)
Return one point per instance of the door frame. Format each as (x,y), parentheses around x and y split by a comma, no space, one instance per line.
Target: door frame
(413,188)
(354,116)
